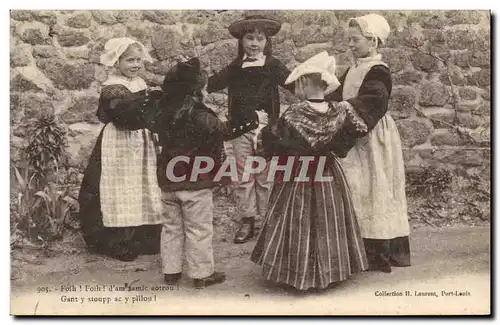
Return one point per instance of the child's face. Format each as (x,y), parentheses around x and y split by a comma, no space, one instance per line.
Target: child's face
(359,44)
(131,62)
(254,43)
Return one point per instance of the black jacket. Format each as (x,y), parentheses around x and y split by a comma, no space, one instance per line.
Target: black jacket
(251,89)
(199,134)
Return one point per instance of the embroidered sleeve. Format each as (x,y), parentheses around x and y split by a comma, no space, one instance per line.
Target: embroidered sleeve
(354,128)
(354,121)
(319,130)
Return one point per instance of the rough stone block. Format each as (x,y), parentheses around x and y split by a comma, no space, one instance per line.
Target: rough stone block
(480,78)
(397,59)
(447,139)
(35,36)
(457,17)
(468,39)
(48,17)
(285,51)
(466,59)
(67,76)
(455,74)
(425,62)
(21,55)
(167,42)
(413,132)
(211,32)
(83,110)
(21,15)
(467,93)
(402,102)
(433,93)
(73,38)
(107,17)
(440,117)
(162,17)
(80,19)
(472,121)
(31,75)
(45,51)
(311,50)
(407,77)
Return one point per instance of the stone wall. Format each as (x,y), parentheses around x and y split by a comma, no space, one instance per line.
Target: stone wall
(440,62)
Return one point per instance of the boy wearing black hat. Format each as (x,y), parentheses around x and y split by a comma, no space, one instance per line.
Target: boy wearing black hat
(190,130)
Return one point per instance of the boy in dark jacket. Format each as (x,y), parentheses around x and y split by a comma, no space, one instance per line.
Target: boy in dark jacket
(192,134)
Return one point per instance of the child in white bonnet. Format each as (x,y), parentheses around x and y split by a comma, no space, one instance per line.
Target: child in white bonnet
(310,238)
(120,201)
(375,166)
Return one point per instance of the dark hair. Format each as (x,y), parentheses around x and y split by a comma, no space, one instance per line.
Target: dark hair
(179,101)
(354,23)
(315,78)
(250,29)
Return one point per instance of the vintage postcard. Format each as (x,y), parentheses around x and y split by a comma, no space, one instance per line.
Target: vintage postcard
(250,162)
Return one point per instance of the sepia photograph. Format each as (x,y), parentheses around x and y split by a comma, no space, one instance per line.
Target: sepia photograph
(250,162)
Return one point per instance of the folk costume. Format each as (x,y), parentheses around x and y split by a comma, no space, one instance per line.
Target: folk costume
(310,237)
(252,84)
(375,167)
(120,200)
(194,131)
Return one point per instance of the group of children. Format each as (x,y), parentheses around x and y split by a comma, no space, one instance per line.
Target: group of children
(312,233)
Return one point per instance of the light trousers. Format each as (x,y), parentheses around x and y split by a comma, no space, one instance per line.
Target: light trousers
(252,195)
(187,233)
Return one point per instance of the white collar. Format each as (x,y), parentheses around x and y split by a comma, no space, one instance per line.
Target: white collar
(259,56)
(377,57)
(134,85)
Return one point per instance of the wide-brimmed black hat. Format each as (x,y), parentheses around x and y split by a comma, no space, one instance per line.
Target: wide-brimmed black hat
(270,26)
(183,78)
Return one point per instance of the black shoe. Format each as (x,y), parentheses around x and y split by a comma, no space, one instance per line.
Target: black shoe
(172,278)
(125,252)
(216,277)
(386,268)
(399,263)
(125,256)
(334,285)
(246,230)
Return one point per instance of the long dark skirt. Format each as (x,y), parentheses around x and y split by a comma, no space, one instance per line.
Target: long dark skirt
(311,238)
(124,243)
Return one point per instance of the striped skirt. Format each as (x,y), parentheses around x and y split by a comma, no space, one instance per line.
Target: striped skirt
(310,237)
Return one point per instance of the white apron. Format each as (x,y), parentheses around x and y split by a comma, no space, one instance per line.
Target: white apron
(375,170)
(129,190)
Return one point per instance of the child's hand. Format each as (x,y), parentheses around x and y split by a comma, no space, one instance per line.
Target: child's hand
(156,88)
(182,58)
(263,117)
(154,91)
